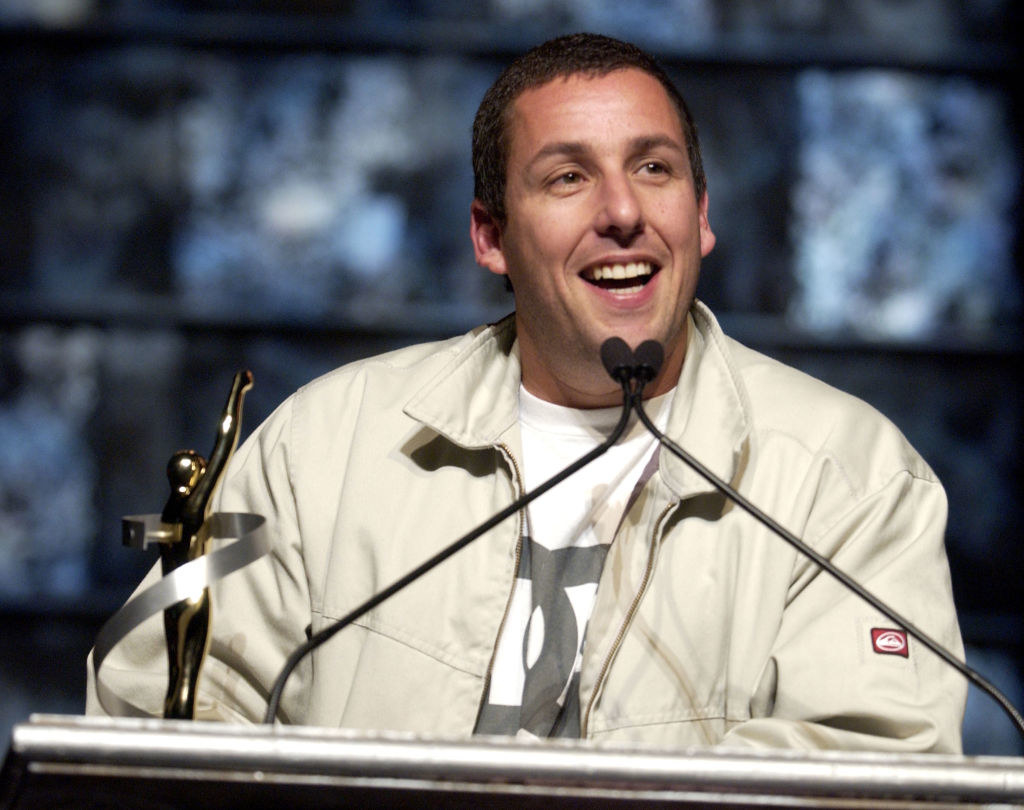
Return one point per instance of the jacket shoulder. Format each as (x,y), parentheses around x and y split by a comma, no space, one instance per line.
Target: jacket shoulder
(410,364)
(789,405)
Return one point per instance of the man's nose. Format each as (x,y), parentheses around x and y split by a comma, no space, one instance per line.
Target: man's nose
(620,215)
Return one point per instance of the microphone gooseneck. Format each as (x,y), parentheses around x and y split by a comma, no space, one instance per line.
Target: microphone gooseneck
(644,367)
(625,373)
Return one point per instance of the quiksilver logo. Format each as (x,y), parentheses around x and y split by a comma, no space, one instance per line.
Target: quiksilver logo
(887,641)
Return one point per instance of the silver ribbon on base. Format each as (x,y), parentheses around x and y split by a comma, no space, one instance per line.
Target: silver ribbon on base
(251,541)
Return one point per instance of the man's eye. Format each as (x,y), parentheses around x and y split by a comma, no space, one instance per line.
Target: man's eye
(654,167)
(568,179)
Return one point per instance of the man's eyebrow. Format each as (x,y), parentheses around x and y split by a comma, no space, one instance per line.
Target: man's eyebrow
(559,149)
(648,143)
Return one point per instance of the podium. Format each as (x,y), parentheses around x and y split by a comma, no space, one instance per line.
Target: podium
(57,762)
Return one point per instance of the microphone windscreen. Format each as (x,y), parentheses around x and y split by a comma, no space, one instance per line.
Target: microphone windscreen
(617,358)
(648,358)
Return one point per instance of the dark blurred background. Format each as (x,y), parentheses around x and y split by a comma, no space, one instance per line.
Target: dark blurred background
(188,188)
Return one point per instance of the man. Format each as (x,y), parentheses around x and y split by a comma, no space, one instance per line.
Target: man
(633,602)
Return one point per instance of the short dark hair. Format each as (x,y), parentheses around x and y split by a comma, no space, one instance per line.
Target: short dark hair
(588,54)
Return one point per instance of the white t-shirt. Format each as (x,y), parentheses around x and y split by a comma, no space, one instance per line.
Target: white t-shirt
(534,683)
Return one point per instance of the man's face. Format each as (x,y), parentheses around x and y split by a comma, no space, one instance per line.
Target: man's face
(603,235)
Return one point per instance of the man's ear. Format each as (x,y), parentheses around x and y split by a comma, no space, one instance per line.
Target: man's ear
(485,231)
(707,236)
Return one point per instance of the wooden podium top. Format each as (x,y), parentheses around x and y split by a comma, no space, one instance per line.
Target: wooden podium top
(57,761)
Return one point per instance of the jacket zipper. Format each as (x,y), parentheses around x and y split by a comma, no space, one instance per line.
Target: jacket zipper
(634,606)
(515,569)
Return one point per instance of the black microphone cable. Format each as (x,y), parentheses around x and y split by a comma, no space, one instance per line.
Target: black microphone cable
(617,363)
(645,366)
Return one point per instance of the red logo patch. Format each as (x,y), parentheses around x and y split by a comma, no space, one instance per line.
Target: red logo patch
(887,641)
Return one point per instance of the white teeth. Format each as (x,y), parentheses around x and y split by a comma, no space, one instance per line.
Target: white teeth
(630,270)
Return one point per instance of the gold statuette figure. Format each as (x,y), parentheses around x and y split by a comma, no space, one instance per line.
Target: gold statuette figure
(193,480)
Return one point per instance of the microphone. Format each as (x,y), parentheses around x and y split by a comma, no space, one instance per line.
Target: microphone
(624,365)
(648,357)
(619,361)
(617,358)
(644,367)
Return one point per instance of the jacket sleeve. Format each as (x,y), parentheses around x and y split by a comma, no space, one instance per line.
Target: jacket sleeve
(258,613)
(829,682)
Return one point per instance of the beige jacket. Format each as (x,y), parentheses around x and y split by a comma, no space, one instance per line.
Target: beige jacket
(706,630)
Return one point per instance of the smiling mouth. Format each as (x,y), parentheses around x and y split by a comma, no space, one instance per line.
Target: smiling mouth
(620,278)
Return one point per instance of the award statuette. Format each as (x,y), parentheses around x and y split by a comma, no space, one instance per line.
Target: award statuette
(183,532)
(192,480)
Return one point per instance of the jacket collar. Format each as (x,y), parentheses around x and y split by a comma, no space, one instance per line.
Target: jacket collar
(474,399)
(710,416)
